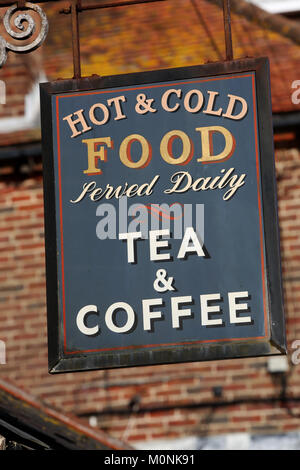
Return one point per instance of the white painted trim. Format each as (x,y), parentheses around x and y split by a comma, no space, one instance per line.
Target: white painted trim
(31,117)
(230,441)
(277,6)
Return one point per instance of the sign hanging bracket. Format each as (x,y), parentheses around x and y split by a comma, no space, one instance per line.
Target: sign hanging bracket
(227,29)
(75,8)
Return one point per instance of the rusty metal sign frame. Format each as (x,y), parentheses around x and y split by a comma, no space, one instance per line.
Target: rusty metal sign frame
(275,342)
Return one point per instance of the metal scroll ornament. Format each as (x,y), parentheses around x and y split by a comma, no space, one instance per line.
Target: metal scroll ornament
(26,26)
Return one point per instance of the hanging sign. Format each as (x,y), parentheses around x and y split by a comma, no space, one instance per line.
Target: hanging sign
(160,215)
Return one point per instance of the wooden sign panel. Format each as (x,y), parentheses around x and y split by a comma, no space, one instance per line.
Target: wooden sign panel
(160,213)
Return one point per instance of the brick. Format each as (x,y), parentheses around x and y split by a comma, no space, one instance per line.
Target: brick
(228,367)
(183,422)
(31,207)
(163,435)
(137,437)
(234,387)
(21,198)
(246,418)
(161,413)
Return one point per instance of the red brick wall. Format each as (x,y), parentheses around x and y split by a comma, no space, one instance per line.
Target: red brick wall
(173,399)
(18,75)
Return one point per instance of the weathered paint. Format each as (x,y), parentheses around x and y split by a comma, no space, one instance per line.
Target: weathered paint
(240,233)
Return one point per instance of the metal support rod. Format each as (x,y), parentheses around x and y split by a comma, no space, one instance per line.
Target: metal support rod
(75,7)
(6,3)
(97,6)
(75,40)
(227,29)
(93,6)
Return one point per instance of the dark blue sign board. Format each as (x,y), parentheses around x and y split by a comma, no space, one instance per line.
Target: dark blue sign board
(160,214)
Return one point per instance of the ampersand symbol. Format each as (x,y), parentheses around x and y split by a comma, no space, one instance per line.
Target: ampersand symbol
(143,105)
(162,283)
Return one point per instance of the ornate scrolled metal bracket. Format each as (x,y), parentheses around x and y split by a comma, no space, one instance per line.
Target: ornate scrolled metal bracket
(25,32)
